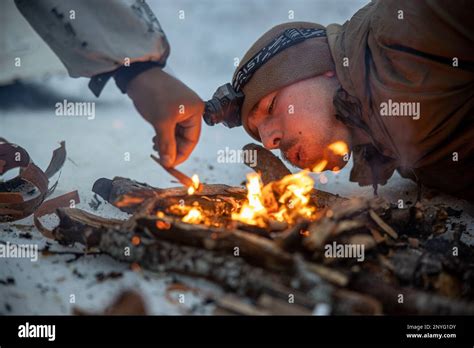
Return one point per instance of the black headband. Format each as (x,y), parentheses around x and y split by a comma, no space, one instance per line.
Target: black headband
(286,39)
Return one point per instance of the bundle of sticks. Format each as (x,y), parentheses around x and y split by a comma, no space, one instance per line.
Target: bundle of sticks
(406,268)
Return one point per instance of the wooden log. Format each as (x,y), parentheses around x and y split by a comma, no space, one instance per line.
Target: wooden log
(232,273)
(79,226)
(270,167)
(110,190)
(129,195)
(369,216)
(255,249)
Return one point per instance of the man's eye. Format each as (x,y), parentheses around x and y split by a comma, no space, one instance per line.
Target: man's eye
(270,108)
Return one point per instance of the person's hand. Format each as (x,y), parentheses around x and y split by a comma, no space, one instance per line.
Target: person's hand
(174,111)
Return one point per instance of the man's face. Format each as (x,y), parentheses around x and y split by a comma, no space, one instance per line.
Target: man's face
(299,119)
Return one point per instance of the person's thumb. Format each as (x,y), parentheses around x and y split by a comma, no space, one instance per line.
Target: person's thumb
(165,143)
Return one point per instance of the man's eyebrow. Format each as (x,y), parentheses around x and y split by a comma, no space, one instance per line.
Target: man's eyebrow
(255,108)
(258,105)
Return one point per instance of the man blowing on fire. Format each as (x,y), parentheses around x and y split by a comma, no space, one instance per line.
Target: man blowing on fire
(395,83)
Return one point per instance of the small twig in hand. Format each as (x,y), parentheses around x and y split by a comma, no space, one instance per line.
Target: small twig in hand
(181,177)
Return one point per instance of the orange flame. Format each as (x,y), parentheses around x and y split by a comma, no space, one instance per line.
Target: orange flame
(192,189)
(283,200)
(318,168)
(339,148)
(296,196)
(252,210)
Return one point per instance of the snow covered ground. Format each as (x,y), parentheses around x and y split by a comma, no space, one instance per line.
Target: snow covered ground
(117,142)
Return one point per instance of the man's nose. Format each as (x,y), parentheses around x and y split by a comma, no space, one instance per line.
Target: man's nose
(271,140)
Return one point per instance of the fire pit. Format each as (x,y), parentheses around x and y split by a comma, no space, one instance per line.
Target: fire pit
(279,246)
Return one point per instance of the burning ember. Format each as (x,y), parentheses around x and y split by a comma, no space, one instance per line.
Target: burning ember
(194,216)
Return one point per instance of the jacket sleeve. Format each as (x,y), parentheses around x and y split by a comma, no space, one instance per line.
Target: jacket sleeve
(413,61)
(95,37)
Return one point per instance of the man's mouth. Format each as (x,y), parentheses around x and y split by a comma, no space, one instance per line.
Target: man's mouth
(296,156)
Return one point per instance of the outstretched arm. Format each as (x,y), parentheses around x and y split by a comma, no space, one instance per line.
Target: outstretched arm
(123,39)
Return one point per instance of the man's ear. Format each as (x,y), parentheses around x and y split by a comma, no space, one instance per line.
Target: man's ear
(329,73)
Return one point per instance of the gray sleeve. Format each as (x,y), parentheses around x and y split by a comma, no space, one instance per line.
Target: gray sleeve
(94,37)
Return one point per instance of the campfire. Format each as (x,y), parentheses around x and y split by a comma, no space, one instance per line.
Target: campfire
(281,246)
(268,244)
(281,202)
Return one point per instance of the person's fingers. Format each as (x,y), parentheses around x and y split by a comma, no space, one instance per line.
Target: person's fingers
(165,143)
(187,136)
